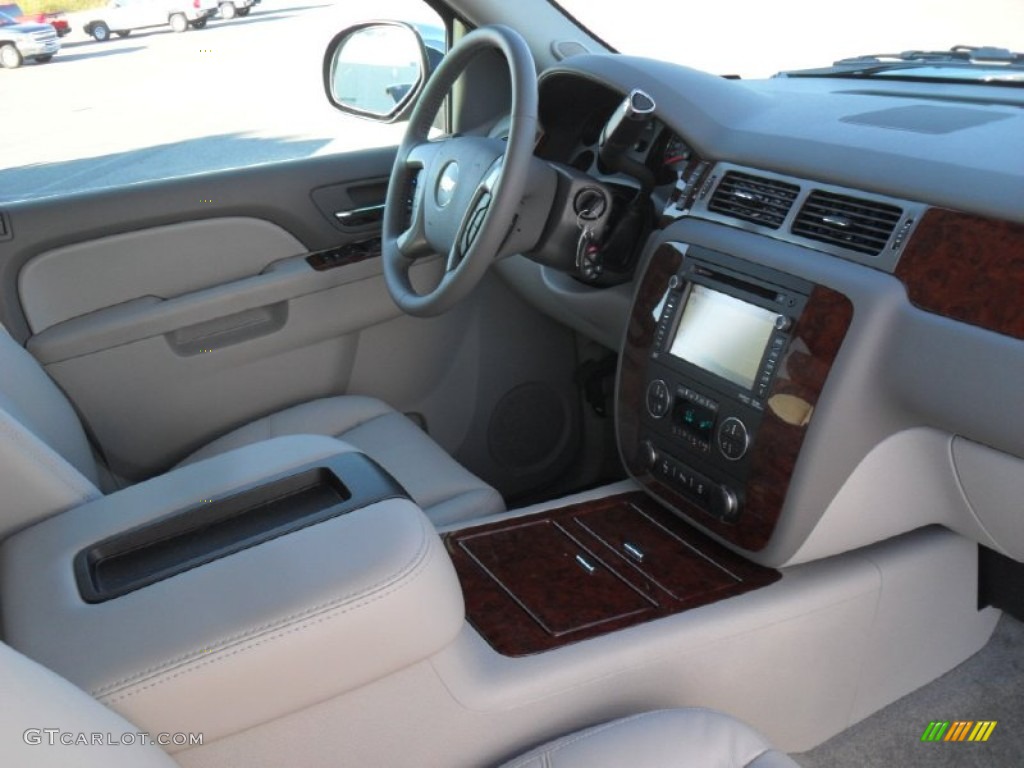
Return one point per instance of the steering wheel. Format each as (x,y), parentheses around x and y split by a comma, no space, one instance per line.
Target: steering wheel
(464,190)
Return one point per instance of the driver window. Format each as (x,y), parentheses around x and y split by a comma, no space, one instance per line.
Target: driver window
(274,109)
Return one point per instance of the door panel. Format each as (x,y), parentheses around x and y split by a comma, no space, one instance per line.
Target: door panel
(278,194)
(162,262)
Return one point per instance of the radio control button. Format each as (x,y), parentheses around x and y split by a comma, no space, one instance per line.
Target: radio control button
(658,399)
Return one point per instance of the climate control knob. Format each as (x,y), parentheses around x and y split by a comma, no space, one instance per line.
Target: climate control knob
(658,398)
(648,454)
(728,503)
(733,439)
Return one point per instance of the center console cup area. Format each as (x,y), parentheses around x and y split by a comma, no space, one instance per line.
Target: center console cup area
(158,601)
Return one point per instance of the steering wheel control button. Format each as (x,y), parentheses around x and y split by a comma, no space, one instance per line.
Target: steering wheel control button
(733,439)
(659,400)
(476,220)
(446,184)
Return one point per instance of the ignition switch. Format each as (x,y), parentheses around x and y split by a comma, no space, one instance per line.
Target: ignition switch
(590,204)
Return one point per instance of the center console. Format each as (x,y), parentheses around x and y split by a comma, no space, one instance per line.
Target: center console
(235,590)
(723,364)
(546,580)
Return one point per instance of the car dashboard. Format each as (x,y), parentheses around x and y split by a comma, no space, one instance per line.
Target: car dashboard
(860,243)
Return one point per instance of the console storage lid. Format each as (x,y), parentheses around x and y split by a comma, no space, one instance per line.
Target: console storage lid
(250,636)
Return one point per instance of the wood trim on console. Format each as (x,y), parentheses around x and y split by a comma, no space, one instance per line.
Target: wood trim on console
(816,339)
(526,593)
(968,268)
(634,358)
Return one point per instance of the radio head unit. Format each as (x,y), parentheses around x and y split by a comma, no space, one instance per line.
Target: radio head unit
(732,327)
(721,368)
(722,327)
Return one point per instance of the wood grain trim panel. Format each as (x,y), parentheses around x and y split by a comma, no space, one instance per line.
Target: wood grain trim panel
(967,268)
(681,569)
(634,358)
(815,343)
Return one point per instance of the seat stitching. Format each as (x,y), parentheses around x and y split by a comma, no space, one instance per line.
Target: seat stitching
(570,740)
(329,615)
(365,422)
(396,578)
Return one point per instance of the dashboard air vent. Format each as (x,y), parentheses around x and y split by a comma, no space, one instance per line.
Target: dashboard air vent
(754,198)
(849,222)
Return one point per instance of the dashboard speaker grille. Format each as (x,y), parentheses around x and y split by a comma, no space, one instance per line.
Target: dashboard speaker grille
(754,198)
(861,225)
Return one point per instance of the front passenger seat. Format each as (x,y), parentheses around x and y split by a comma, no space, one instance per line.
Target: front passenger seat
(33,698)
(669,738)
(47,465)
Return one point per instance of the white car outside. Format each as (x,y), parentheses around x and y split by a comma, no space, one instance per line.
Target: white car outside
(229,9)
(121,17)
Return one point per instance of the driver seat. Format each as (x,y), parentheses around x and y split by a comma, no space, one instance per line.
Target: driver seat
(47,465)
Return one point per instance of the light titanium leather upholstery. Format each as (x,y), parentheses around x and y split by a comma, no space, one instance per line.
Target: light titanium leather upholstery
(33,697)
(671,738)
(47,465)
(247,638)
(31,397)
(441,487)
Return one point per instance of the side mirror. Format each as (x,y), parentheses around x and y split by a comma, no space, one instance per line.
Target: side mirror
(376,70)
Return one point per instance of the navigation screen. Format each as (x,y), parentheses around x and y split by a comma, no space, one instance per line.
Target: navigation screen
(723,335)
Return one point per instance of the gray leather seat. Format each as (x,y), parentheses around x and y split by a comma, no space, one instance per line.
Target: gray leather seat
(47,466)
(670,738)
(34,698)
(443,489)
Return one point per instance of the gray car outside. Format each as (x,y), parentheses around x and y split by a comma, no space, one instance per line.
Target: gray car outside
(20,41)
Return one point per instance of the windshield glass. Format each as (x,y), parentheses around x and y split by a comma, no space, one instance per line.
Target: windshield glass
(754,38)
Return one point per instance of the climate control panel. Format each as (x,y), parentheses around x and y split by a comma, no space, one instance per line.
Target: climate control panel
(722,500)
(697,440)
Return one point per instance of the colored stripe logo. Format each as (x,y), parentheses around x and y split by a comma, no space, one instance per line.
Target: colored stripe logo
(959,730)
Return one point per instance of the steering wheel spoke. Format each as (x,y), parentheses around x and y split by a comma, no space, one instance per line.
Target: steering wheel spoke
(412,243)
(419,155)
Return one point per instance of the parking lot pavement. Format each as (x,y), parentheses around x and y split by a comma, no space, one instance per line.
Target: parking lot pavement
(159,104)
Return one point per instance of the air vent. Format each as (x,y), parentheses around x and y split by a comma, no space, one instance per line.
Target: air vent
(861,225)
(754,198)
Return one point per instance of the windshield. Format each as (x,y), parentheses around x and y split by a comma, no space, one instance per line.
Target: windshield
(6,20)
(756,39)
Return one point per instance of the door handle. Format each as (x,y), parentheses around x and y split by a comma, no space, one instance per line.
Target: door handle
(361,217)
